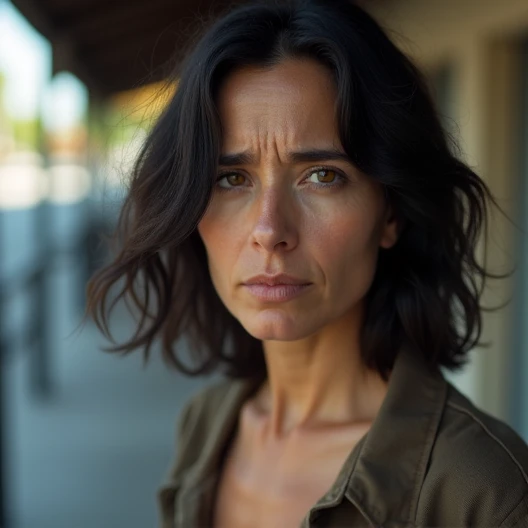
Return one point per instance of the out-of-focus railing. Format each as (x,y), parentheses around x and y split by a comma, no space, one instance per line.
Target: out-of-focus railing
(34,281)
(31,280)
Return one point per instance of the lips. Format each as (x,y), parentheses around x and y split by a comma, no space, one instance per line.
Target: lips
(276,288)
(276,280)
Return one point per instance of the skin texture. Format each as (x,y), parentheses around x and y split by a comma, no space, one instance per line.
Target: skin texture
(275,215)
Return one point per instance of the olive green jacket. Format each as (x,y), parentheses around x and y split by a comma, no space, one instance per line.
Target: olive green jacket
(431,458)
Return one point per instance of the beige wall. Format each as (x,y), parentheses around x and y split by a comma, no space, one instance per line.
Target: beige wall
(481,40)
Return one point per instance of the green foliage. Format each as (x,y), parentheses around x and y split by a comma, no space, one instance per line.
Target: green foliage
(27,132)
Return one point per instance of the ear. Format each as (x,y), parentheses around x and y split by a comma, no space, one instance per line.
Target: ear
(390,230)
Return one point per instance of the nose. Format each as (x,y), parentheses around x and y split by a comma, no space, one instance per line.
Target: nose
(274,225)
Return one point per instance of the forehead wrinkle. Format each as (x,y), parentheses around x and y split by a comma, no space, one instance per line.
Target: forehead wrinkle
(276,136)
(270,113)
(271,126)
(265,141)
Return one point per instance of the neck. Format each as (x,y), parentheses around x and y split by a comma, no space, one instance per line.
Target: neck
(318,382)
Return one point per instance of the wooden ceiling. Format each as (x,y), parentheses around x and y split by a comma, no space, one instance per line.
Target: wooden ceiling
(116,45)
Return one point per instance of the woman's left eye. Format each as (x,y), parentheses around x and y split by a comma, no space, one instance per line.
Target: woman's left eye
(324,176)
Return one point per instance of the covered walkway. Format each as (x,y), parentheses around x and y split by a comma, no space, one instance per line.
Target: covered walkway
(93,454)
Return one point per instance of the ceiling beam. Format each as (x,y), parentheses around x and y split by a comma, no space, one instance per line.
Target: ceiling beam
(117,45)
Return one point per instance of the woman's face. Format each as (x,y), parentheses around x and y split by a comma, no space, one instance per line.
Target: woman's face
(281,207)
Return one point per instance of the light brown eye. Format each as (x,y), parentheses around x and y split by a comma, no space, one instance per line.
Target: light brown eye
(235,179)
(323,176)
(231,180)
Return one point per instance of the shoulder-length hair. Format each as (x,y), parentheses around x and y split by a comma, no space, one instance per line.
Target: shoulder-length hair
(427,288)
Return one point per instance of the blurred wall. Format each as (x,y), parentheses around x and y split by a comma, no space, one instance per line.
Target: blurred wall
(482,43)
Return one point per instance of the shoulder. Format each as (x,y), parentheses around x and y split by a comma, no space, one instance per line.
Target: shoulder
(199,413)
(202,408)
(205,402)
(478,469)
(203,412)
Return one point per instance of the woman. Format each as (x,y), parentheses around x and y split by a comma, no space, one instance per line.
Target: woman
(298,213)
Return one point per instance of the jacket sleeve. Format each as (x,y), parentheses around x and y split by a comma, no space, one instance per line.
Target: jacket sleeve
(167,492)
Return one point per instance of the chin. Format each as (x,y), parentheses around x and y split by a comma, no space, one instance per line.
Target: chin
(274,327)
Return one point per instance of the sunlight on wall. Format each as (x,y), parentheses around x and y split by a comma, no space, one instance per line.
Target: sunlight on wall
(38,112)
(68,183)
(24,182)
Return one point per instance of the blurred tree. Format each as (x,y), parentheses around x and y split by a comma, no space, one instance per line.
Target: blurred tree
(27,132)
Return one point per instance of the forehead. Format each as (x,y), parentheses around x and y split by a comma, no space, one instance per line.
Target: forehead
(290,104)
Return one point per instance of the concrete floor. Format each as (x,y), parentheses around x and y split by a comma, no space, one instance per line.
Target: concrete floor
(93,455)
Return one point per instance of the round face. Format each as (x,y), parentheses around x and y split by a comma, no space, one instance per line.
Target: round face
(293,229)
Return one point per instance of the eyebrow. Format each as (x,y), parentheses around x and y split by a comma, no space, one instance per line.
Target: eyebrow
(246,158)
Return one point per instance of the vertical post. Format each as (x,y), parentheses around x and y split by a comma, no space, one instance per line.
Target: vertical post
(40,366)
(92,151)
(40,373)
(93,250)
(3,354)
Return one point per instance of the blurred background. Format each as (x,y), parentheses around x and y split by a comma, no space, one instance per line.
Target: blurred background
(86,436)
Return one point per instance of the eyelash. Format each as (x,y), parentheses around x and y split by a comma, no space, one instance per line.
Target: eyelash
(341,179)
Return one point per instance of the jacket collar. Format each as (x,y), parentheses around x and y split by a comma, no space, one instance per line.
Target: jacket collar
(383,474)
(389,466)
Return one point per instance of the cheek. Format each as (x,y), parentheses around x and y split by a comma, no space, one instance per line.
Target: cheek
(346,230)
(220,245)
(346,243)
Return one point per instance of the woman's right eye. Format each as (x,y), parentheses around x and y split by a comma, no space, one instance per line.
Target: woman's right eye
(233,179)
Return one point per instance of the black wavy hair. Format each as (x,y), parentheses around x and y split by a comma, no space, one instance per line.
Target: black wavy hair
(427,288)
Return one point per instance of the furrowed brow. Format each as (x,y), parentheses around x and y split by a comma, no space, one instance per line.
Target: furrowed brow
(318,155)
(238,158)
(246,158)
